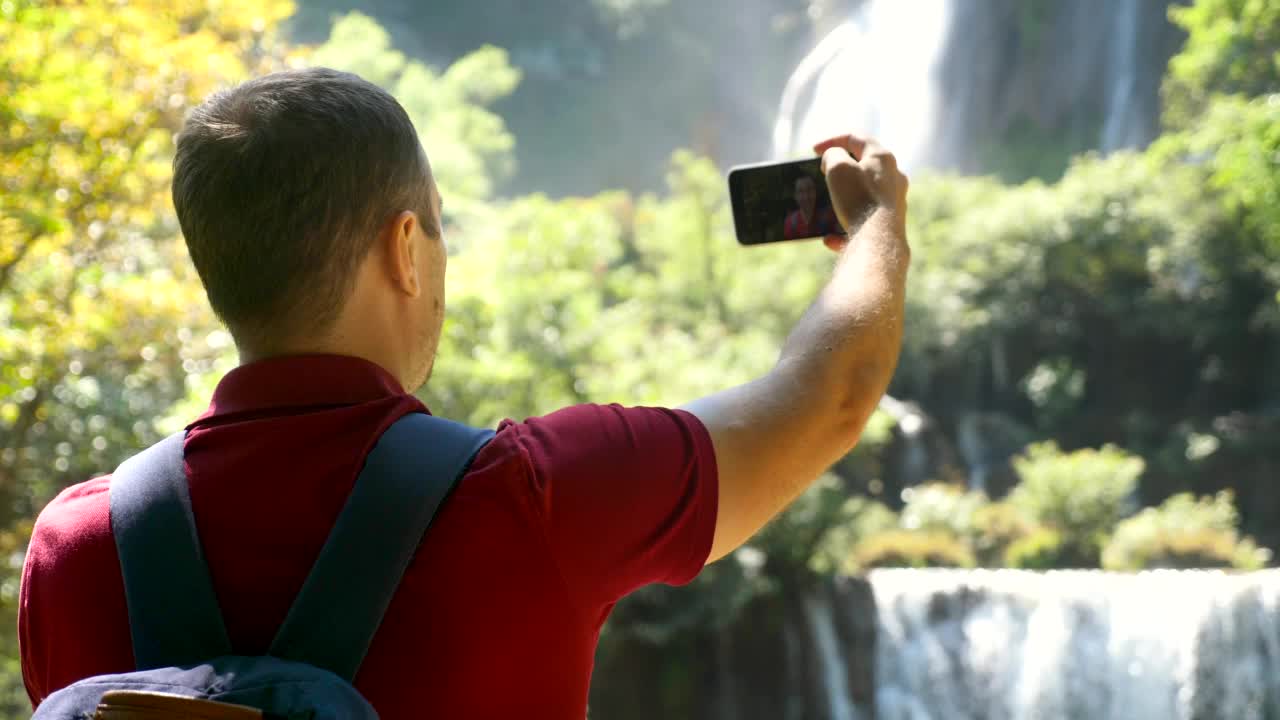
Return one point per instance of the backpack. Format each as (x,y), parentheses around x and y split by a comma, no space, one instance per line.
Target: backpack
(180,644)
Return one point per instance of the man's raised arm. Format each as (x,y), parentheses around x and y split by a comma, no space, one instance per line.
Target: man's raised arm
(774,436)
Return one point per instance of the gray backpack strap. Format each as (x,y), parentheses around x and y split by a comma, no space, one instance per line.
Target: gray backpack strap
(173,612)
(410,470)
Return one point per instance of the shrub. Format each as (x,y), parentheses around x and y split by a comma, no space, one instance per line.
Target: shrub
(941,507)
(996,527)
(1184,532)
(911,549)
(1200,549)
(1041,549)
(865,519)
(1081,495)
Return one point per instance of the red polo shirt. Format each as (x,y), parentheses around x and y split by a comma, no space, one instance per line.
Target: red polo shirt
(498,615)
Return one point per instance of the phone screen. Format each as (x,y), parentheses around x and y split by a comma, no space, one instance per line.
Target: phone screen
(773,202)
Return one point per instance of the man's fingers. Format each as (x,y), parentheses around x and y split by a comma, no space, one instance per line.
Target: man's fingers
(849,185)
(836,242)
(835,156)
(852,144)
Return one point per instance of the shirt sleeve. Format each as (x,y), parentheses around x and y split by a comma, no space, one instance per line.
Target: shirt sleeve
(627,495)
(72,619)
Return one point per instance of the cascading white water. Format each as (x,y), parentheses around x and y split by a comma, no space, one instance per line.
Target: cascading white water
(1121,130)
(817,612)
(872,74)
(1013,645)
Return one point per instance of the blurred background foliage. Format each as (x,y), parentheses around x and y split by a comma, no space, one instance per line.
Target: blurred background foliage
(1089,371)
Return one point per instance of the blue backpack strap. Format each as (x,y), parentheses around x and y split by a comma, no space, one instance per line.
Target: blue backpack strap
(411,469)
(173,612)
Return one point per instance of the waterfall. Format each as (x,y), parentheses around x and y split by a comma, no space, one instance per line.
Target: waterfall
(1014,645)
(818,616)
(959,85)
(849,86)
(1120,129)
(985,645)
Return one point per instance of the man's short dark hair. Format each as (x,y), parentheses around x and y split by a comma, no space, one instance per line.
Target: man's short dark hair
(281,185)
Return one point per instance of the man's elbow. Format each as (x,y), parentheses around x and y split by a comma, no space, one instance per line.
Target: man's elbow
(859,396)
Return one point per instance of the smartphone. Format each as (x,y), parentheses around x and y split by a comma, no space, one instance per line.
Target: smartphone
(773,202)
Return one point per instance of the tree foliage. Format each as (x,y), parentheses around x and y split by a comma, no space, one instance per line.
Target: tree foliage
(101,318)
(1222,102)
(1232,48)
(1080,495)
(1184,532)
(102,321)
(469,146)
(614,298)
(911,549)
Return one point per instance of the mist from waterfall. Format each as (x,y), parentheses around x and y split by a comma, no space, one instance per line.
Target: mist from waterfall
(875,74)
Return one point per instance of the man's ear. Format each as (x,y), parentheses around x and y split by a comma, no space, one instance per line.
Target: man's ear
(402,252)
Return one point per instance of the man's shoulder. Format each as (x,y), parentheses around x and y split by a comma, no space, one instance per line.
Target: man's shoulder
(600,431)
(583,420)
(626,495)
(79,515)
(71,613)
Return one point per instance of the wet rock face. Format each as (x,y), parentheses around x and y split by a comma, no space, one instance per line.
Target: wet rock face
(1089,71)
(987,441)
(798,654)
(806,656)
(857,625)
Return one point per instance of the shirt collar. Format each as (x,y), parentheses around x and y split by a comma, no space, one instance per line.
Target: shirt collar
(301,381)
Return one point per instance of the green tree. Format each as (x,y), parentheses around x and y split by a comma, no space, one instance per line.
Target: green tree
(1235,144)
(1036,271)
(468,145)
(98,308)
(102,322)
(1232,48)
(1222,99)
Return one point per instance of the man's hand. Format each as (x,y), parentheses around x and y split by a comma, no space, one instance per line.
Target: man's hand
(862,176)
(774,436)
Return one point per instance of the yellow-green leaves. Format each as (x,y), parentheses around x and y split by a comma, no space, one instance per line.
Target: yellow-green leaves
(467,143)
(1233,47)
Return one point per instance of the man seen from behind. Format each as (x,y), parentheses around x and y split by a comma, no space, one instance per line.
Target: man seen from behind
(310,213)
